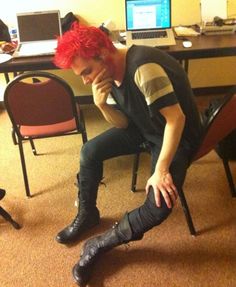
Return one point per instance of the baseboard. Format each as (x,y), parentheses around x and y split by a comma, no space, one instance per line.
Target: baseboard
(88,99)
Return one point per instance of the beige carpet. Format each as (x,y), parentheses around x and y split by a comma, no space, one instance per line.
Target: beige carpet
(167,256)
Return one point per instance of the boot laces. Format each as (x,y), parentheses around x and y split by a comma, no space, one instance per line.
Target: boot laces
(77,221)
(115,225)
(126,244)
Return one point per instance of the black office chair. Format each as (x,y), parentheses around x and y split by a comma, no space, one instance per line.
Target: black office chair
(5,214)
(220,122)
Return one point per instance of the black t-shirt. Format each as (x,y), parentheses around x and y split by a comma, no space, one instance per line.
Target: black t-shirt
(154,80)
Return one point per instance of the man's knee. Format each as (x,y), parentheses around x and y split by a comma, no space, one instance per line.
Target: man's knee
(87,153)
(158,214)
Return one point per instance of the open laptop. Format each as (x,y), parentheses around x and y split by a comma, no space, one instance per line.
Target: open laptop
(37,33)
(148,22)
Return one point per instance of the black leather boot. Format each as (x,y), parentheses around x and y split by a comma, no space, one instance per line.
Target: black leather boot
(84,220)
(88,214)
(120,233)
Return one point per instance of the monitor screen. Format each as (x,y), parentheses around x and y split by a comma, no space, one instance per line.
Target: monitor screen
(148,14)
(38,26)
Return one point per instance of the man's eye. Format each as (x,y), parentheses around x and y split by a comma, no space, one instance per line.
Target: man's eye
(87,72)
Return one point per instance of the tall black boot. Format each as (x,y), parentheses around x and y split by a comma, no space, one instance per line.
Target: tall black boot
(120,233)
(88,215)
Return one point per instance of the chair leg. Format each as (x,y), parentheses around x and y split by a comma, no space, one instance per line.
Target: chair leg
(2,193)
(84,136)
(33,146)
(135,172)
(83,128)
(7,78)
(229,177)
(187,212)
(22,158)
(13,135)
(8,218)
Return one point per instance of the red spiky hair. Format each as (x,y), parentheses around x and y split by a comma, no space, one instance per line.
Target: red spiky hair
(82,41)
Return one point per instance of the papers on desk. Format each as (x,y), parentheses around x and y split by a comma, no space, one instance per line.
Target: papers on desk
(182,31)
(119,45)
(5,58)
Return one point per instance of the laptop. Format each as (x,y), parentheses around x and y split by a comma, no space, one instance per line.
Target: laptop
(148,22)
(37,33)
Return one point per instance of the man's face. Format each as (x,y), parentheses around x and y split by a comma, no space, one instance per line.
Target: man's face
(88,69)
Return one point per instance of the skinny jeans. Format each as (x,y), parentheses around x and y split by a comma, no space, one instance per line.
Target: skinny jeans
(116,142)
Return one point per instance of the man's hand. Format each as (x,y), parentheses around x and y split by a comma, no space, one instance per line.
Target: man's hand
(101,87)
(162,183)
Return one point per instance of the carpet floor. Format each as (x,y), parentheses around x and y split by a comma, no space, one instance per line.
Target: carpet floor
(168,256)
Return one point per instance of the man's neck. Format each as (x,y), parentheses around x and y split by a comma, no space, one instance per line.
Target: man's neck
(120,66)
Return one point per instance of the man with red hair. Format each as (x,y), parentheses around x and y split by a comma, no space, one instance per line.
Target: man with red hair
(145,94)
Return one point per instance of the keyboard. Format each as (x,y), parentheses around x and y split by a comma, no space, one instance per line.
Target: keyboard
(29,49)
(38,47)
(149,34)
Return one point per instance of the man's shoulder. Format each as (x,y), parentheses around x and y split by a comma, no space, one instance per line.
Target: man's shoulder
(140,51)
(138,55)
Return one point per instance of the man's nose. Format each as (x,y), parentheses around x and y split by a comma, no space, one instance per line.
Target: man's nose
(86,80)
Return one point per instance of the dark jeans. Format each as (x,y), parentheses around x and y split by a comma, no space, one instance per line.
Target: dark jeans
(116,142)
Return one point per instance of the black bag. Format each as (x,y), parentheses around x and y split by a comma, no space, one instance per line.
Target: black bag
(4,32)
(226,147)
(67,21)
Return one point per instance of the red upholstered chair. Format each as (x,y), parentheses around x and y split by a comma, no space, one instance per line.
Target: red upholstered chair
(41,105)
(220,122)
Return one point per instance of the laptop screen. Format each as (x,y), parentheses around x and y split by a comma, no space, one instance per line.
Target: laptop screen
(147,14)
(38,26)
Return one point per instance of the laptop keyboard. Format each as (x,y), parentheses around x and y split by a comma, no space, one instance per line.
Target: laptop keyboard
(37,48)
(149,35)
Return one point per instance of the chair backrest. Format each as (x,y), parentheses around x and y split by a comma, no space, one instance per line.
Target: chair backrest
(219,124)
(40,98)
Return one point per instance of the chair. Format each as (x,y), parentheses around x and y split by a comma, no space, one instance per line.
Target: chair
(5,214)
(41,105)
(220,123)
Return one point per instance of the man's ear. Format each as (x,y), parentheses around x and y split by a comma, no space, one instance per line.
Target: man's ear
(104,53)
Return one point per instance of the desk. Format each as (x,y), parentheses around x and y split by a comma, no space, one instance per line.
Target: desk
(203,47)
(28,64)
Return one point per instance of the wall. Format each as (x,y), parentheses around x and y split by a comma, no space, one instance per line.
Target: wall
(184,12)
(94,13)
(207,72)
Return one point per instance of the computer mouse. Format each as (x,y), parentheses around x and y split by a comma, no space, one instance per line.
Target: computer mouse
(187,44)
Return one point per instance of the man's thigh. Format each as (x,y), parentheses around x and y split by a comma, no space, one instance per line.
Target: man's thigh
(113,142)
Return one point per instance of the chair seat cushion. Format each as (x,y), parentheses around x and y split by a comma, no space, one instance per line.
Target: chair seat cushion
(48,130)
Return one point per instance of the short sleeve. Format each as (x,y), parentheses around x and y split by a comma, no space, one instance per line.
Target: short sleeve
(155,85)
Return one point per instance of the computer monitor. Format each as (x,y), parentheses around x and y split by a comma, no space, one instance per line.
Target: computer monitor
(147,14)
